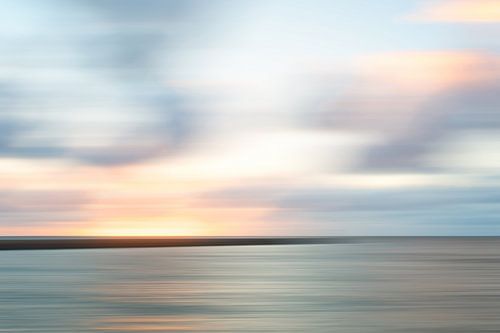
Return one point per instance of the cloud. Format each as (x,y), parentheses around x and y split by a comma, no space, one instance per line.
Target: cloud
(85,82)
(13,128)
(462,11)
(415,102)
(169,129)
(34,207)
(406,210)
(313,198)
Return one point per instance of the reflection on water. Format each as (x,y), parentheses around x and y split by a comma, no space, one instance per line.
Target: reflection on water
(407,285)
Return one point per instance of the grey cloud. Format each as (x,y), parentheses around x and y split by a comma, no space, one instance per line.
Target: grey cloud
(12,128)
(390,199)
(173,129)
(142,10)
(419,209)
(470,107)
(446,116)
(110,45)
(334,200)
(407,138)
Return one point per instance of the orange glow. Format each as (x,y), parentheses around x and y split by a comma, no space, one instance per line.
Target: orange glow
(467,11)
(424,72)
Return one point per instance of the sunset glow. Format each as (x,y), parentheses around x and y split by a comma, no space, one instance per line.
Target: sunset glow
(146,228)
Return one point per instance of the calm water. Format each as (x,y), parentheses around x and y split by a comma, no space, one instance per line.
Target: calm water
(409,285)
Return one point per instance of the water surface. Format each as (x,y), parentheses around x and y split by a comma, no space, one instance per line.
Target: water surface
(405,285)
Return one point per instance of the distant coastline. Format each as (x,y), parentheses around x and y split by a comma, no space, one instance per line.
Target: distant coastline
(61,243)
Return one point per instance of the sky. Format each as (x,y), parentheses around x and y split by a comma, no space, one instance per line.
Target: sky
(249,117)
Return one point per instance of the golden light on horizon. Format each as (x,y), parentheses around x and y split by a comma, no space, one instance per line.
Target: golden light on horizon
(148,228)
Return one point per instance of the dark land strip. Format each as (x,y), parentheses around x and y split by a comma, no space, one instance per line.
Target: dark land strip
(60,243)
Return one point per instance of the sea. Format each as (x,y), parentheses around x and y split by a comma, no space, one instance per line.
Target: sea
(376,285)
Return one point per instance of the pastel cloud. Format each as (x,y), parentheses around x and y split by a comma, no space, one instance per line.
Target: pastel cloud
(41,212)
(411,102)
(465,11)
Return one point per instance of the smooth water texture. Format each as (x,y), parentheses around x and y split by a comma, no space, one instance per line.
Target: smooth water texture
(406,285)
